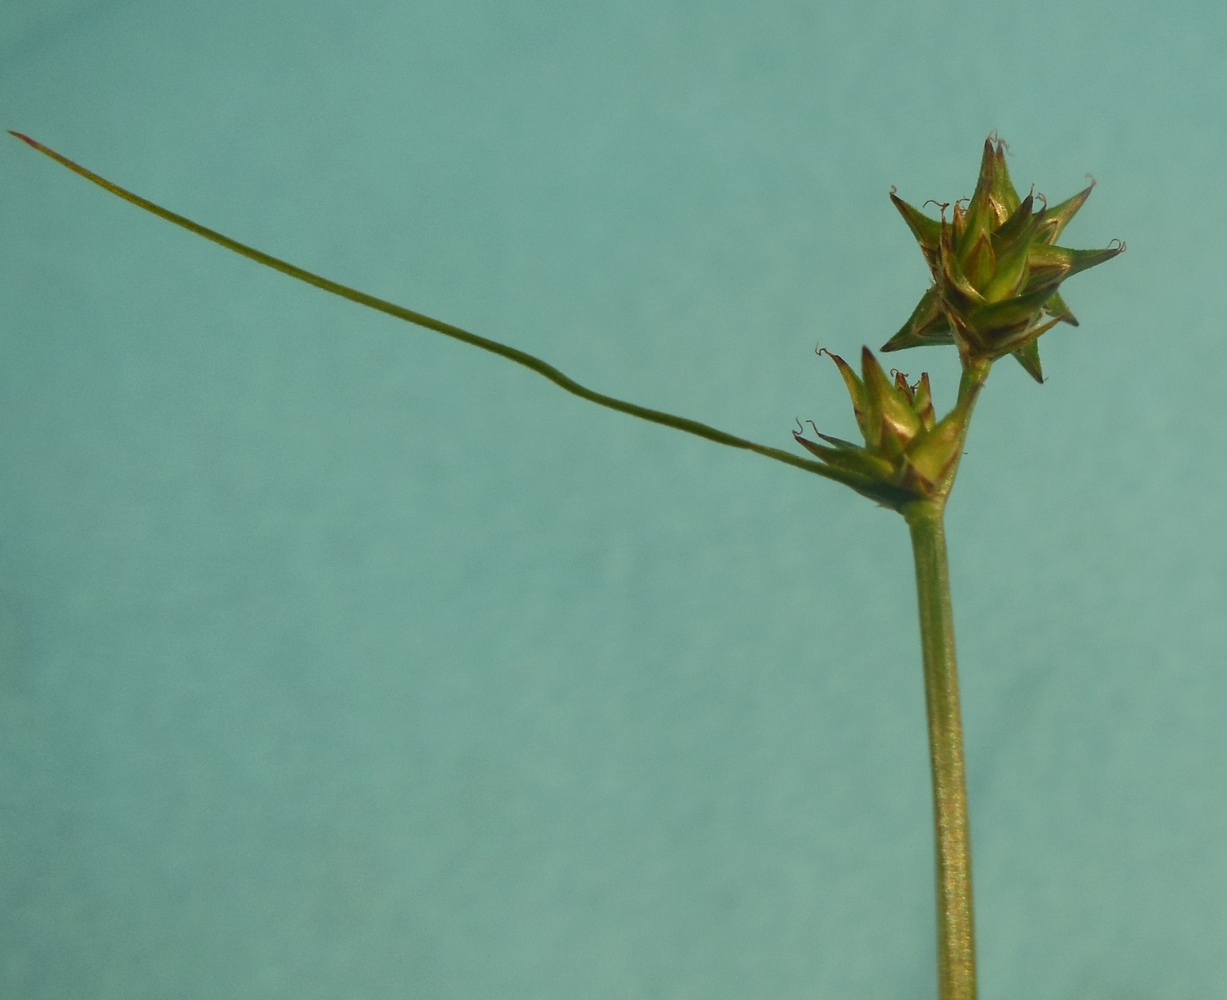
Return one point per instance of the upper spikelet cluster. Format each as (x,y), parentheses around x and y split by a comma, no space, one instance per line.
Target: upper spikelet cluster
(996,269)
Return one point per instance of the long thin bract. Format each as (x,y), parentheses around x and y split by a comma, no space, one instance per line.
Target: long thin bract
(535,364)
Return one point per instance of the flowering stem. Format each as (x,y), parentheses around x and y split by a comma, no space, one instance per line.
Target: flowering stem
(956,961)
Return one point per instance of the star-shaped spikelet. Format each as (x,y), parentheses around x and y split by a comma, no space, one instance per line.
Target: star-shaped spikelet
(996,269)
(908,453)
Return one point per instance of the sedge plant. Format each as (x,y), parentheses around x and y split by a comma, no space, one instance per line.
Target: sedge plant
(996,274)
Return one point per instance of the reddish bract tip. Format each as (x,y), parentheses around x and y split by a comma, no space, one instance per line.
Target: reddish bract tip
(24,138)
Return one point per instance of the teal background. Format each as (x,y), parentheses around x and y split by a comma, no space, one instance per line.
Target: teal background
(340,660)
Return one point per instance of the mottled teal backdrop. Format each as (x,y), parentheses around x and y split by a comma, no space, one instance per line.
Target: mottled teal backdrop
(343,661)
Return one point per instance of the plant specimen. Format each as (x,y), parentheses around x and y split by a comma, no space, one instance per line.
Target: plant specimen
(997,271)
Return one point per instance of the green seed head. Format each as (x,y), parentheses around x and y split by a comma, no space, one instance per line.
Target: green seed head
(907,452)
(996,269)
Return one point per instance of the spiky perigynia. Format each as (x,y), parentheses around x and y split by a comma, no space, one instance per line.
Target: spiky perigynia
(908,453)
(996,269)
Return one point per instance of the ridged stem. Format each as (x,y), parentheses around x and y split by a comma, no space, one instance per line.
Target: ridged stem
(956,960)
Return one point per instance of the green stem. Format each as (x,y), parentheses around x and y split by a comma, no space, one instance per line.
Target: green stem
(956,960)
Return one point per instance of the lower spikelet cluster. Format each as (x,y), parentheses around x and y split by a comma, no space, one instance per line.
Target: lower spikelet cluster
(907,452)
